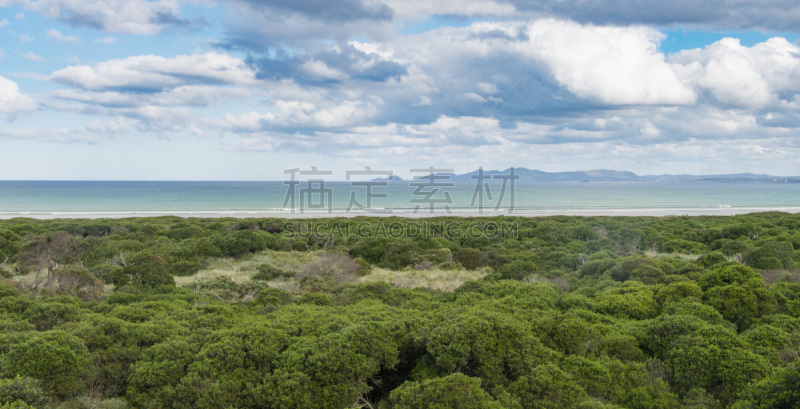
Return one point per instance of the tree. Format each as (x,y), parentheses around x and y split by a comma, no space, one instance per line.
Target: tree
(56,358)
(146,268)
(455,391)
(51,253)
(772,255)
(780,391)
(715,359)
(20,391)
(548,387)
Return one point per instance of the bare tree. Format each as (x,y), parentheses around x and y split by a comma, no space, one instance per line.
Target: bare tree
(362,402)
(120,259)
(51,253)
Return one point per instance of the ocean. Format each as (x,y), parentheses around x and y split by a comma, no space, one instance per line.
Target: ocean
(50,199)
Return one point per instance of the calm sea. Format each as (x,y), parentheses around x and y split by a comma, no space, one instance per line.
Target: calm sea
(119,199)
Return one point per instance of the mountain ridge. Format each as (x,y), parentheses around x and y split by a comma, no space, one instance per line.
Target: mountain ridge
(607,175)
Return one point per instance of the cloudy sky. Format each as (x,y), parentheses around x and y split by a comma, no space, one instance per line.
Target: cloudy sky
(243,89)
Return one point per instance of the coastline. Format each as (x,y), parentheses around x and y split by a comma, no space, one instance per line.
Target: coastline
(651,212)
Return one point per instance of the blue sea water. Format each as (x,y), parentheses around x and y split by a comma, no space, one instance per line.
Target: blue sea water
(128,198)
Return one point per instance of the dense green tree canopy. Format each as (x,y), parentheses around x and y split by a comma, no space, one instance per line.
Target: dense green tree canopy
(558,312)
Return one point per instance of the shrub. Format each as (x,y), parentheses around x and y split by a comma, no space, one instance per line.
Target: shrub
(185,268)
(56,358)
(457,391)
(711,259)
(22,389)
(471,258)
(272,297)
(772,255)
(518,270)
(269,272)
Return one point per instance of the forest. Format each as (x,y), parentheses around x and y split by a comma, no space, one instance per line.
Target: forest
(383,312)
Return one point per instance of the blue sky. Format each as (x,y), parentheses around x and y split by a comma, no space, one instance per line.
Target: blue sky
(241,90)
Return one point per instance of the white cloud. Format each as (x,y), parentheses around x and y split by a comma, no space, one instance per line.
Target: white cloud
(3,23)
(26,38)
(155,73)
(742,76)
(31,56)
(61,38)
(12,100)
(321,70)
(615,65)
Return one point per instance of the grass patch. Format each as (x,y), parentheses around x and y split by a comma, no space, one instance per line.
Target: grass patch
(241,270)
(433,278)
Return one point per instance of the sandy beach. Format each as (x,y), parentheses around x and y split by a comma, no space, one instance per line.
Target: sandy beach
(656,212)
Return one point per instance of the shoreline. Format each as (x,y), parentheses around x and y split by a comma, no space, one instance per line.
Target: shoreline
(651,212)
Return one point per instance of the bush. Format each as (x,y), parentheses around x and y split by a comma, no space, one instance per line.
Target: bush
(772,255)
(22,389)
(185,268)
(56,358)
(470,258)
(267,272)
(272,297)
(456,391)
(518,270)
(106,272)
(148,269)
(711,259)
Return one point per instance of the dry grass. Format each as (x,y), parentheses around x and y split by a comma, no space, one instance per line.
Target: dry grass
(434,278)
(241,270)
(688,257)
(776,276)
(29,280)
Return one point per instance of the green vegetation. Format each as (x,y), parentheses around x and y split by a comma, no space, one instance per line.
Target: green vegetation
(507,312)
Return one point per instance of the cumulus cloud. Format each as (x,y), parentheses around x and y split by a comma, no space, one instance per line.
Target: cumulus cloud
(150,73)
(509,81)
(746,77)
(12,100)
(3,23)
(490,84)
(616,65)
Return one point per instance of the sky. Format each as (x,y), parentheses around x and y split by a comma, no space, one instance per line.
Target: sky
(245,89)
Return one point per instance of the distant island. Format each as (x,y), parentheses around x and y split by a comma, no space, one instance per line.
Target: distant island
(605,175)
